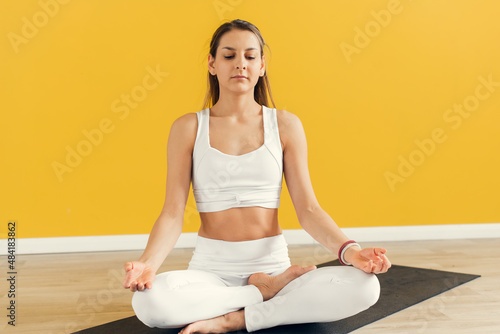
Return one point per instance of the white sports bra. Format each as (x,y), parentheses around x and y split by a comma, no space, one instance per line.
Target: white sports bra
(222,181)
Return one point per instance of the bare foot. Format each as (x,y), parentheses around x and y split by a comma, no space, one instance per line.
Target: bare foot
(225,323)
(269,286)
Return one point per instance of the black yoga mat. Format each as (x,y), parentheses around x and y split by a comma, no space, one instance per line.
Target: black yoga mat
(401,287)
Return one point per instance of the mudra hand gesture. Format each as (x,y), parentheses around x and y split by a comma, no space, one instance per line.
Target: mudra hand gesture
(370,259)
(138,276)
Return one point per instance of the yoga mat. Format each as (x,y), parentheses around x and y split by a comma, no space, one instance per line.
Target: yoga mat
(401,287)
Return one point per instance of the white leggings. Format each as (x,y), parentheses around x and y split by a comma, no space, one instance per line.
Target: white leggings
(216,283)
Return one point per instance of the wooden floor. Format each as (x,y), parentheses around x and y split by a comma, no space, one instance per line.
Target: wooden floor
(63,293)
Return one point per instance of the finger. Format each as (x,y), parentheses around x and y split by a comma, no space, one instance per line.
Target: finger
(371,254)
(379,265)
(384,264)
(126,282)
(380,253)
(375,266)
(380,268)
(133,286)
(140,286)
(368,267)
(128,266)
(387,263)
(148,285)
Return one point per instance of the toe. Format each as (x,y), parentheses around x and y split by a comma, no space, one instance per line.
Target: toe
(297,270)
(309,268)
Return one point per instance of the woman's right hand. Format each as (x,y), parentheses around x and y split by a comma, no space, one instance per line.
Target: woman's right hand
(138,276)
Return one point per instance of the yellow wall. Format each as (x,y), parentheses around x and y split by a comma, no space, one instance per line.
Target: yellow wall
(369,80)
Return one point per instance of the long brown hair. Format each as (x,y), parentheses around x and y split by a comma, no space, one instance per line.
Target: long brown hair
(262,88)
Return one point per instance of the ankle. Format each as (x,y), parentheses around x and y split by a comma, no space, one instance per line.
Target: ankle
(262,282)
(234,321)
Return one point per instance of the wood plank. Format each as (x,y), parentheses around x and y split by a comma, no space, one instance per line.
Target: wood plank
(62,293)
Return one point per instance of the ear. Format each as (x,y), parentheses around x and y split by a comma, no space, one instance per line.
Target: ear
(211,67)
(263,66)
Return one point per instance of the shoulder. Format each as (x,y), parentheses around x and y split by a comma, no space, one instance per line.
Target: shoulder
(186,121)
(287,120)
(183,129)
(289,125)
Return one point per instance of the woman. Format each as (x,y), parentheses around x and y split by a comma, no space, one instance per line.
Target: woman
(235,153)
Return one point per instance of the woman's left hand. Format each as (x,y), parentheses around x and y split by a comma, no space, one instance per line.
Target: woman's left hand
(370,260)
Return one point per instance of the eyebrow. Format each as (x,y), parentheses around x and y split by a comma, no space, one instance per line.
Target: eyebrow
(233,49)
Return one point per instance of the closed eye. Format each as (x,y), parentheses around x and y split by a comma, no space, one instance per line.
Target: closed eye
(229,57)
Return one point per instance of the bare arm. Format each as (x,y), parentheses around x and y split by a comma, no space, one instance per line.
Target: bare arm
(313,219)
(162,239)
(168,226)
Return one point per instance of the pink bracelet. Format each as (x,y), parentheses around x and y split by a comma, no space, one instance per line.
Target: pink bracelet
(342,250)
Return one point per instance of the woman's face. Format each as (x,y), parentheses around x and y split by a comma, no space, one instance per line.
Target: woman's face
(238,54)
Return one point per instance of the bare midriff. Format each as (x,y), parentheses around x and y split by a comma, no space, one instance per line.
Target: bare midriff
(240,224)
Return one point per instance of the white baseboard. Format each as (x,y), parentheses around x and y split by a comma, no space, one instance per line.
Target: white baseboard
(293,237)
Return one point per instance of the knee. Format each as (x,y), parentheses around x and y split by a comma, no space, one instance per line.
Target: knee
(151,310)
(146,307)
(362,289)
(159,306)
(368,290)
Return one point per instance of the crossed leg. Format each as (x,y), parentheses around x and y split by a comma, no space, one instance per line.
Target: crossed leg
(181,297)
(299,295)
(321,295)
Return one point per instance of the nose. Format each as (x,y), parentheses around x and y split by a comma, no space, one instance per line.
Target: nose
(240,63)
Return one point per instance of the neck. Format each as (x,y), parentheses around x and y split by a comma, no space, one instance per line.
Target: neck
(235,105)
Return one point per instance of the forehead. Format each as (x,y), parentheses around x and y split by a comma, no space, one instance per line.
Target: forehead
(239,40)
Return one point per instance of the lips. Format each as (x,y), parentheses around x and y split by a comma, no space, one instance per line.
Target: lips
(239,77)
